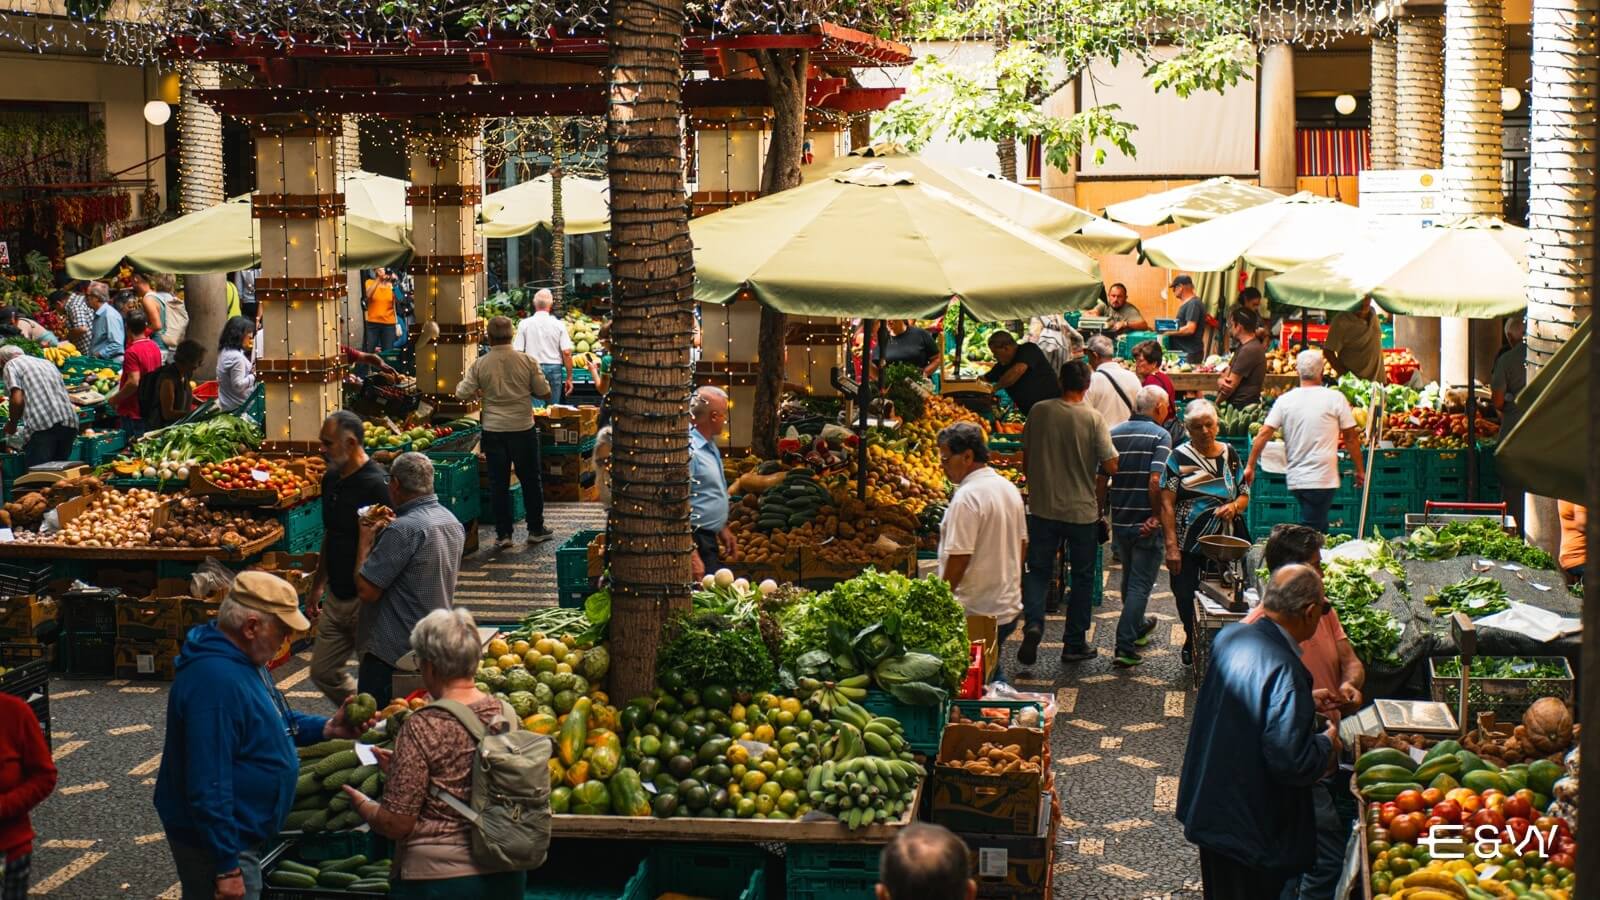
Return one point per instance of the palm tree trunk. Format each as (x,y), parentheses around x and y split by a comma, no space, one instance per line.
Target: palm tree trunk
(652,276)
(1381,101)
(558,222)
(785,74)
(199,188)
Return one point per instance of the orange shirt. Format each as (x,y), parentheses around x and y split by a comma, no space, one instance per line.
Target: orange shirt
(1574,544)
(1320,655)
(380,303)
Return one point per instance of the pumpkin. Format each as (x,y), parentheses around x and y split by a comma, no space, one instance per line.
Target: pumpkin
(1549,725)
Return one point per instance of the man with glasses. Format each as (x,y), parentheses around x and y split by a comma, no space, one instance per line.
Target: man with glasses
(708,486)
(228,766)
(1247,793)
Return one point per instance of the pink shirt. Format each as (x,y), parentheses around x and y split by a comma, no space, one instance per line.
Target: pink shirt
(1320,655)
(144,357)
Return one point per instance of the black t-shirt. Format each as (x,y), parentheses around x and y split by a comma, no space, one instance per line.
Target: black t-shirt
(1250,364)
(1038,383)
(1192,310)
(914,345)
(341,498)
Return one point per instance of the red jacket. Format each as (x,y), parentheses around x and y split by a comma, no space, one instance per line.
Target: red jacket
(27,774)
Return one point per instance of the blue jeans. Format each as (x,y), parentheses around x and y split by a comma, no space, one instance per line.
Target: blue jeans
(1314,505)
(999,646)
(1142,558)
(378,337)
(1045,537)
(197,870)
(557,376)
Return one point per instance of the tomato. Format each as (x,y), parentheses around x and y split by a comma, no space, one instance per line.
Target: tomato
(1448,810)
(1409,801)
(1516,830)
(1432,796)
(1405,829)
(1518,808)
(1470,804)
(1387,812)
(1487,817)
(1433,822)
(1562,860)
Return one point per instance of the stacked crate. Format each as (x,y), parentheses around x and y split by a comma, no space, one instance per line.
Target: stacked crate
(150,630)
(566,454)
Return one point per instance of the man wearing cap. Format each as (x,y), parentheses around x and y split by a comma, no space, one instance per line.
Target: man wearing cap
(228,765)
(1190,336)
(507,381)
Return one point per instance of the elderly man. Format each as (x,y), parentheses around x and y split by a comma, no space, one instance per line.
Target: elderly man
(1190,336)
(708,485)
(1111,387)
(1355,343)
(1312,419)
(107,334)
(1134,494)
(353,482)
(43,421)
(1067,452)
(228,764)
(507,382)
(1255,753)
(984,536)
(544,337)
(1022,370)
(406,562)
(925,862)
(80,318)
(1336,679)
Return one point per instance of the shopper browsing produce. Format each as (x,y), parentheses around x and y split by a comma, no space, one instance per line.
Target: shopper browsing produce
(1355,343)
(1201,494)
(708,486)
(1147,361)
(107,334)
(1254,756)
(42,419)
(165,396)
(228,769)
(1134,494)
(1069,453)
(236,372)
(507,382)
(1312,418)
(983,538)
(1111,386)
(142,358)
(1240,386)
(378,300)
(1022,371)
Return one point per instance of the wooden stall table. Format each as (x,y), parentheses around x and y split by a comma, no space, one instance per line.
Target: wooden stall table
(1211,615)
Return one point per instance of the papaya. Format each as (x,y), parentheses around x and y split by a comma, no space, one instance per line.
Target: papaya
(603,716)
(574,732)
(1515,780)
(607,753)
(1384,773)
(578,773)
(540,723)
(1542,776)
(1439,765)
(558,772)
(1385,791)
(1481,780)
(1469,762)
(1384,756)
(627,794)
(1445,783)
(560,800)
(591,799)
(1441,749)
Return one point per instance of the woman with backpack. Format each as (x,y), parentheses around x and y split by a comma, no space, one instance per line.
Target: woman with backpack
(167,395)
(438,852)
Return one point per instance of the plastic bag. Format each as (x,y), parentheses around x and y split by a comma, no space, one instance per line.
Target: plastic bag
(211,580)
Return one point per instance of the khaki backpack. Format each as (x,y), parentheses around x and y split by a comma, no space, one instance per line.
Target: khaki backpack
(509,802)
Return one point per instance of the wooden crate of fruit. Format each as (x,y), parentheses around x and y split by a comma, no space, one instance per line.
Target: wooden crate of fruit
(257,481)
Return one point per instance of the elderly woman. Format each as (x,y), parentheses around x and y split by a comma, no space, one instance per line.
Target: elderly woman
(1201,494)
(434,752)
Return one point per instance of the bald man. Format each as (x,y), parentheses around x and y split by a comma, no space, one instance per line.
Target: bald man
(544,337)
(708,486)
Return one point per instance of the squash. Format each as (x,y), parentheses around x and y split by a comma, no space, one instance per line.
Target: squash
(574,731)
(606,757)
(1549,725)
(541,723)
(558,772)
(590,799)
(627,794)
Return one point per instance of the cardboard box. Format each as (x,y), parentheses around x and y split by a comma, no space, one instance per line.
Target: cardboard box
(152,618)
(19,616)
(1006,865)
(299,569)
(984,629)
(568,424)
(571,466)
(597,555)
(152,660)
(966,801)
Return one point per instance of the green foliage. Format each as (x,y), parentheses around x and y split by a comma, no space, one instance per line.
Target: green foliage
(1475,537)
(930,619)
(900,381)
(707,649)
(1373,633)
(24,289)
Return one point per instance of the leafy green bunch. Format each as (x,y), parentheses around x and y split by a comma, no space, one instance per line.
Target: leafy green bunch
(930,619)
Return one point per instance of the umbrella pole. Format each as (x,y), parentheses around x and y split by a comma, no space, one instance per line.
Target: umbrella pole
(1305,327)
(863,399)
(961,336)
(1472,419)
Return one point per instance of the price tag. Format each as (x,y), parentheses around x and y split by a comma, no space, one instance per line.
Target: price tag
(145,664)
(6,536)
(1512,567)
(1417,754)
(365,755)
(260,474)
(1522,666)
(993,862)
(649,786)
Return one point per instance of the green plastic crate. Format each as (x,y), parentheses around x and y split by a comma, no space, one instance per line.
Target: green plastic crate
(572,569)
(1393,466)
(831,870)
(519,509)
(973,709)
(715,872)
(1390,504)
(302,528)
(1262,514)
(924,725)
(100,448)
(1127,342)
(455,481)
(1268,486)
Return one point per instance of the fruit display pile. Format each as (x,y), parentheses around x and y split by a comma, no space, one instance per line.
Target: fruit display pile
(212,440)
(585,334)
(325,768)
(382,437)
(793,502)
(113,519)
(1421,427)
(60,353)
(190,524)
(173,467)
(1242,421)
(257,473)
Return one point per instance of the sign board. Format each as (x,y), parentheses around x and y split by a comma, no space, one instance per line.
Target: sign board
(1416,195)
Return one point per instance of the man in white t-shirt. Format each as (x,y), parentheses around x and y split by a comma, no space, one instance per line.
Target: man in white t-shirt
(1108,379)
(984,536)
(544,337)
(1312,419)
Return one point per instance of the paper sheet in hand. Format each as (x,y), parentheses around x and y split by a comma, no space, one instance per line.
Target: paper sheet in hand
(1539,624)
(365,755)
(1274,457)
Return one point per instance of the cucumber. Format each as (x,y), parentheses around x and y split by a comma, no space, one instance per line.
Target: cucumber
(309,801)
(370,785)
(333,762)
(344,821)
(317,751)
(372,886)
(1384,756)
(348,864)
(307,784)
(339,803)
(335,879)
(374,871)
(290,865)
(286,879)
(297,820)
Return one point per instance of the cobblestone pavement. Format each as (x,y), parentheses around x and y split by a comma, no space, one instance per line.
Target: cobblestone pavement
(1118,747)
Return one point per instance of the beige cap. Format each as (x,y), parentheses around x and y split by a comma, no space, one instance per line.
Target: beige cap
(270,594)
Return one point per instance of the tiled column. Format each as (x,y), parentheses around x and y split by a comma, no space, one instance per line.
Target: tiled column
(444,196)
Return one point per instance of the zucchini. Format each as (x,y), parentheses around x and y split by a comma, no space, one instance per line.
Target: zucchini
(373,886)
(297,820)
(309,801)
(294,866)
(348,864)
(333,762)
(286,879)
(307,784)
(336,879)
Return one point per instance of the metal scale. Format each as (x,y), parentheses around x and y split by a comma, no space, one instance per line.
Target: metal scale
(1222,580)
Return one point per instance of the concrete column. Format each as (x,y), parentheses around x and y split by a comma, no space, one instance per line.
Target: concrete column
(1419,135)
(1381,100)
(199,188)
(1275,135)
(444,197)
(730,151)
(1058,183)
(301,285)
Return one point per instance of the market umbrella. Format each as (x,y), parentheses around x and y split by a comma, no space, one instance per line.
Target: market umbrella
(1192,203)
(225,238)
(875,242)
(1547,451)
(1278,236)
(518,210)
(1077,228)
(1470,268)
(373,196)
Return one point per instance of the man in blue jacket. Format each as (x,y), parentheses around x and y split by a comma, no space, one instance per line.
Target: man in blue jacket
(228,766)
(1255,752)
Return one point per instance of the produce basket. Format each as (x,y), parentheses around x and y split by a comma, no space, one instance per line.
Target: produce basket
(824,871)
(21,578)
(99,448)
(572,568)
(1509,695)
(924,725)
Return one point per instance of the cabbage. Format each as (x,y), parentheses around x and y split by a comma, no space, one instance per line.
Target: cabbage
(519,679)
(908,668)
(522,702)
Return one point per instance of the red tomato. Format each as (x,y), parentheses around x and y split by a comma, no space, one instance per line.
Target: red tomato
(1470,804)
(1516,830)
(1409,801)
(1448,810)
(1564,860)
(1404,830)
(1432,796)
(1518,808)
(1432,822)
(1387,812)
(1487,817)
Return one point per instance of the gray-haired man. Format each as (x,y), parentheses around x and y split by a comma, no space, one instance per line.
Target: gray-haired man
(544,337)
(708,486)
(406,562)
(984,536)
(1134,495)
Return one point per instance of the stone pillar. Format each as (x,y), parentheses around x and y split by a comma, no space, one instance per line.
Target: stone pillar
(298,204)
(200,188)
(1381,101)
(1419,136)
(1474,73)
(1275,136)
(444,197)
(347,153)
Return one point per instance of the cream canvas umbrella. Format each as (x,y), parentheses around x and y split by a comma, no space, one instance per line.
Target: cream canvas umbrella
(1077,228)
(376,197)
(225,238)
(518,210)
(1192,203)
(1278,236)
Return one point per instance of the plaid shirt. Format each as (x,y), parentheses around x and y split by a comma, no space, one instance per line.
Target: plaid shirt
(79,315)
(45,401)
(414,562)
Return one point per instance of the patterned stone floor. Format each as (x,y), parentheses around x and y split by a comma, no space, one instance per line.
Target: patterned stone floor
(1118,747)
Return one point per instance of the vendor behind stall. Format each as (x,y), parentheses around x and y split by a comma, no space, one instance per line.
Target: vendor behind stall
(1022,370)
(1355,343)
(1124,316)
(40,409)
(1190,335)
(1241,385)
(165,396)
(899,341)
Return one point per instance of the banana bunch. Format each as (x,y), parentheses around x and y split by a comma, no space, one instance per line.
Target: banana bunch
(863,789)
(827,696)
(60,353)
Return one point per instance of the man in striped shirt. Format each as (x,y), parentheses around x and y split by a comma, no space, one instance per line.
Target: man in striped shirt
(40,409)
(1142,448)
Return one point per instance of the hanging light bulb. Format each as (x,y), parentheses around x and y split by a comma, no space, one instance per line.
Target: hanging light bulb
(1510,98)
(157,112)
(1345,104)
